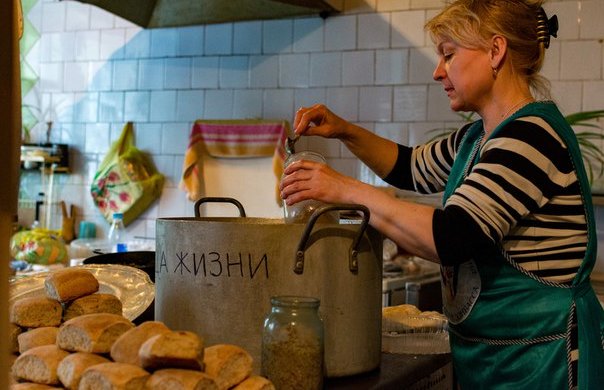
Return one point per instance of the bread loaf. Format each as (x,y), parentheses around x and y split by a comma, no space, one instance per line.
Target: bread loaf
(179,379)
(113,376)
(228,364)
(93,333)
(71,367)
(70,283)
(32,386)
(93,303)
(36,312)
(39,364)
(255,382)
(14,331)
(174,349)
(36,337)
(125,348)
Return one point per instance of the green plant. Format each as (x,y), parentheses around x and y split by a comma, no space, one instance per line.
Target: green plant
(593,155)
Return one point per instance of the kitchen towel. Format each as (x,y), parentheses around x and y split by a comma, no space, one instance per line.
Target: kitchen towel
(242,138)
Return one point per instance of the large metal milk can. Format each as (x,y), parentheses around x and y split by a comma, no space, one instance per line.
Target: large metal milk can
(216,276)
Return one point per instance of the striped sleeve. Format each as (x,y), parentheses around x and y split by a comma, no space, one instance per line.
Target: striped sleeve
(524,194)
(425,168)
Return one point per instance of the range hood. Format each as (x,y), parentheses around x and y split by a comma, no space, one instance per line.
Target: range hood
(175,13)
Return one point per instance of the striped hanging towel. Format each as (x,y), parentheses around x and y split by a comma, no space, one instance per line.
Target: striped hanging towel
(232,139)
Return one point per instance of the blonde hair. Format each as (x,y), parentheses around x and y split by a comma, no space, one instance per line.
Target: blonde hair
(472,24)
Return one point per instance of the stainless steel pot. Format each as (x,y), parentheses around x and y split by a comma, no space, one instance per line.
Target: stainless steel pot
(215,276)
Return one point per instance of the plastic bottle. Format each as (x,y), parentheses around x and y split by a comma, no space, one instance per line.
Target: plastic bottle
(117,234)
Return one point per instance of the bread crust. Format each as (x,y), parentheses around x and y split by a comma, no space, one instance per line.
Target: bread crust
(70,283)
(255,382)
(113,376)
(174,349)
(46,335)
(90,304)
(36,312)
(14,331)
(228,364)
(180,379)
(39,364)
(70,369)
(126,348)
(93,333)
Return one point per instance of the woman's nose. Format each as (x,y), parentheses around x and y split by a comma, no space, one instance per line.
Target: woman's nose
(439,71)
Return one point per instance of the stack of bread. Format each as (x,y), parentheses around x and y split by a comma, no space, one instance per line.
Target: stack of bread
(76,338)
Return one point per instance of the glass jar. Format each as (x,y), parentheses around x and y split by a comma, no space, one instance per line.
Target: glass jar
(301,211)
(292,344)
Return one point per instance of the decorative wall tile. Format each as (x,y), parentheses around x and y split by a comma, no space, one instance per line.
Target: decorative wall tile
(308,34)
(205,72)
(175,137)
(125,75)
(277,36)
(358,67)
(136,106)
(341,33)
(86,45)
(138,43)
(375,104)
(218,104)
(111,107)
(373,31)
(177,73)
(344,102)
(234,72)
(410,103)
(77,17)
(247,103)
(408,29)
(163,106)
(294,70)
(391,66)
(189,105)
(190,41)
(75,77)
(264,71)
(575,65)
(151,74)
(247,37)
(164,42)
(218,39)
(326,69)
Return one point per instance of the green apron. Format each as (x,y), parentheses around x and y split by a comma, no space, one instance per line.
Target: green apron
(510,329)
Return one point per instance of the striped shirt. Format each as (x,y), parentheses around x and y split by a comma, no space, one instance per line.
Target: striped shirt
(522,194)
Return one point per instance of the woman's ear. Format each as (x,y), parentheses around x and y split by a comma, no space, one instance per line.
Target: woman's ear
(499,47)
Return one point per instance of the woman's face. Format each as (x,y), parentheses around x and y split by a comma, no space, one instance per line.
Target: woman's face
(465,74)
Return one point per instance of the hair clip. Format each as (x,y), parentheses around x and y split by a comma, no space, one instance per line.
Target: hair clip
(546,27)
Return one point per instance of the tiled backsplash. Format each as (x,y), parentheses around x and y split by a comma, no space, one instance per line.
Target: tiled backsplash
(372,64)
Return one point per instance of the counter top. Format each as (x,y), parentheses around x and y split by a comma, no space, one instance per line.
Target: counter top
(400,371)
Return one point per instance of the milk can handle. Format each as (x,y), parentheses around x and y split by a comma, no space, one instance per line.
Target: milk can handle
(218,199)
(353,263)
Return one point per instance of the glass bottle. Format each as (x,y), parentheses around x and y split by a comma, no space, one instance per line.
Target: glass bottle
(292,344)
(117,234)
(301,211)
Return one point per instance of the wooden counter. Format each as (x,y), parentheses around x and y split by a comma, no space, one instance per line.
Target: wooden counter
(401,371)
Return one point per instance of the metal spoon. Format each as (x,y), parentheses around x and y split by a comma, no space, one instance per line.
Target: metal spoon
(289,144)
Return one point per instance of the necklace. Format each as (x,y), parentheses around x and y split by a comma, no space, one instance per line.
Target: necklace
(517,106)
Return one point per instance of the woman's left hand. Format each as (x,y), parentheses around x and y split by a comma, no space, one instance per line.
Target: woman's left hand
(312,180)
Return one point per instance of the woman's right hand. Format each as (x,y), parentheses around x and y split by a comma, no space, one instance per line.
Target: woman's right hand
(319,120)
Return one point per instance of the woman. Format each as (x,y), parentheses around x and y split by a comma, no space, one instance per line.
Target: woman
(516,235)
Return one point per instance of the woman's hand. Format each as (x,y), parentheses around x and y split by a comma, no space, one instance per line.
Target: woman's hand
(312,180)
(319,120)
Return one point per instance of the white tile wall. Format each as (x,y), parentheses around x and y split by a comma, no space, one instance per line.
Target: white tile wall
(372,64)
